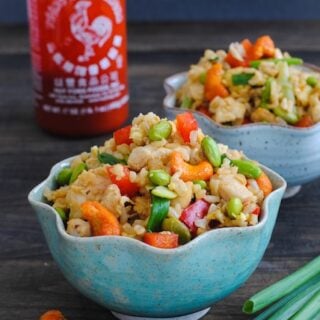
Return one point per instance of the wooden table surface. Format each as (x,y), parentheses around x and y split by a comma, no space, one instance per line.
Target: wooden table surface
(31,282)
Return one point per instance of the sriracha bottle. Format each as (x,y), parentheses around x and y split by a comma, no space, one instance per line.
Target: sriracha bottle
(79,60)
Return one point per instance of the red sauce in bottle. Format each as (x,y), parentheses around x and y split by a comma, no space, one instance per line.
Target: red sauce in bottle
(79,59)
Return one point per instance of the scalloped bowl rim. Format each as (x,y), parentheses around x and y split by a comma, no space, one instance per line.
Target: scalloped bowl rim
(62,231)
(172,94)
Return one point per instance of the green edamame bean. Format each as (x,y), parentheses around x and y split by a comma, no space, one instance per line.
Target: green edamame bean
(163,192)
(77,171)
(201,183)
(64,176)
(312,81)
(176,226)
(234,207)
(247,168)
(62,213)
(159,177)
(161,130)
(211,151)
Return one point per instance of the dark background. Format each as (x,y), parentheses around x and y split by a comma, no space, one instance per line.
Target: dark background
(14,11)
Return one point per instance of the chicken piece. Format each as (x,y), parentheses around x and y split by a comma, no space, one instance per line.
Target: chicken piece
(196,91)
(269,68)
(78,228)
(90,185)
(58,197)
(227,110)
(140,156)
(75,197)
(262,115)
(113,200)
(233,188)
(184,190)
(141,126)
(142,205)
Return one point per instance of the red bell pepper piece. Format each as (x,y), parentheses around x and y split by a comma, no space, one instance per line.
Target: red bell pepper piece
(122,136)
(204,110)
(256,211)
(195,211)
(305,122)
(161,240)
(246,121)
(126,187)
(186,123)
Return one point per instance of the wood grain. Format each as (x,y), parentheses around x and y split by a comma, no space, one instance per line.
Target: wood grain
(155,37)
(30,281)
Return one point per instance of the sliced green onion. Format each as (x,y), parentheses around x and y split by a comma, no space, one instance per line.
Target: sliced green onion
(311,309)
(186,103)
(163,192)
(312,81)
(289,117)
(213,60)
(241,79)
(284,81)
(266,93)
(276,307)
(77,171)
(290,61)
(224,156)
(287,90)
(108,158)
(159,211)
(203,77)
(283,287)
(64,176)
(62,213)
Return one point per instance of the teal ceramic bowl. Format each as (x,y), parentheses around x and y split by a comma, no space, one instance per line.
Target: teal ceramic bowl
(133,279)
(292,152)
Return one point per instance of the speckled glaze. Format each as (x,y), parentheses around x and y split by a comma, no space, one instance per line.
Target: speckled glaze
(292,152)
(130,277)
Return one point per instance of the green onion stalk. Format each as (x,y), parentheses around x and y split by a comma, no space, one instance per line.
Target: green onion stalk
(282,288)
(291,302)
(287,90)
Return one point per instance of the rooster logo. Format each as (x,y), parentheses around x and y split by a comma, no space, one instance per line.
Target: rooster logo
(90,34)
